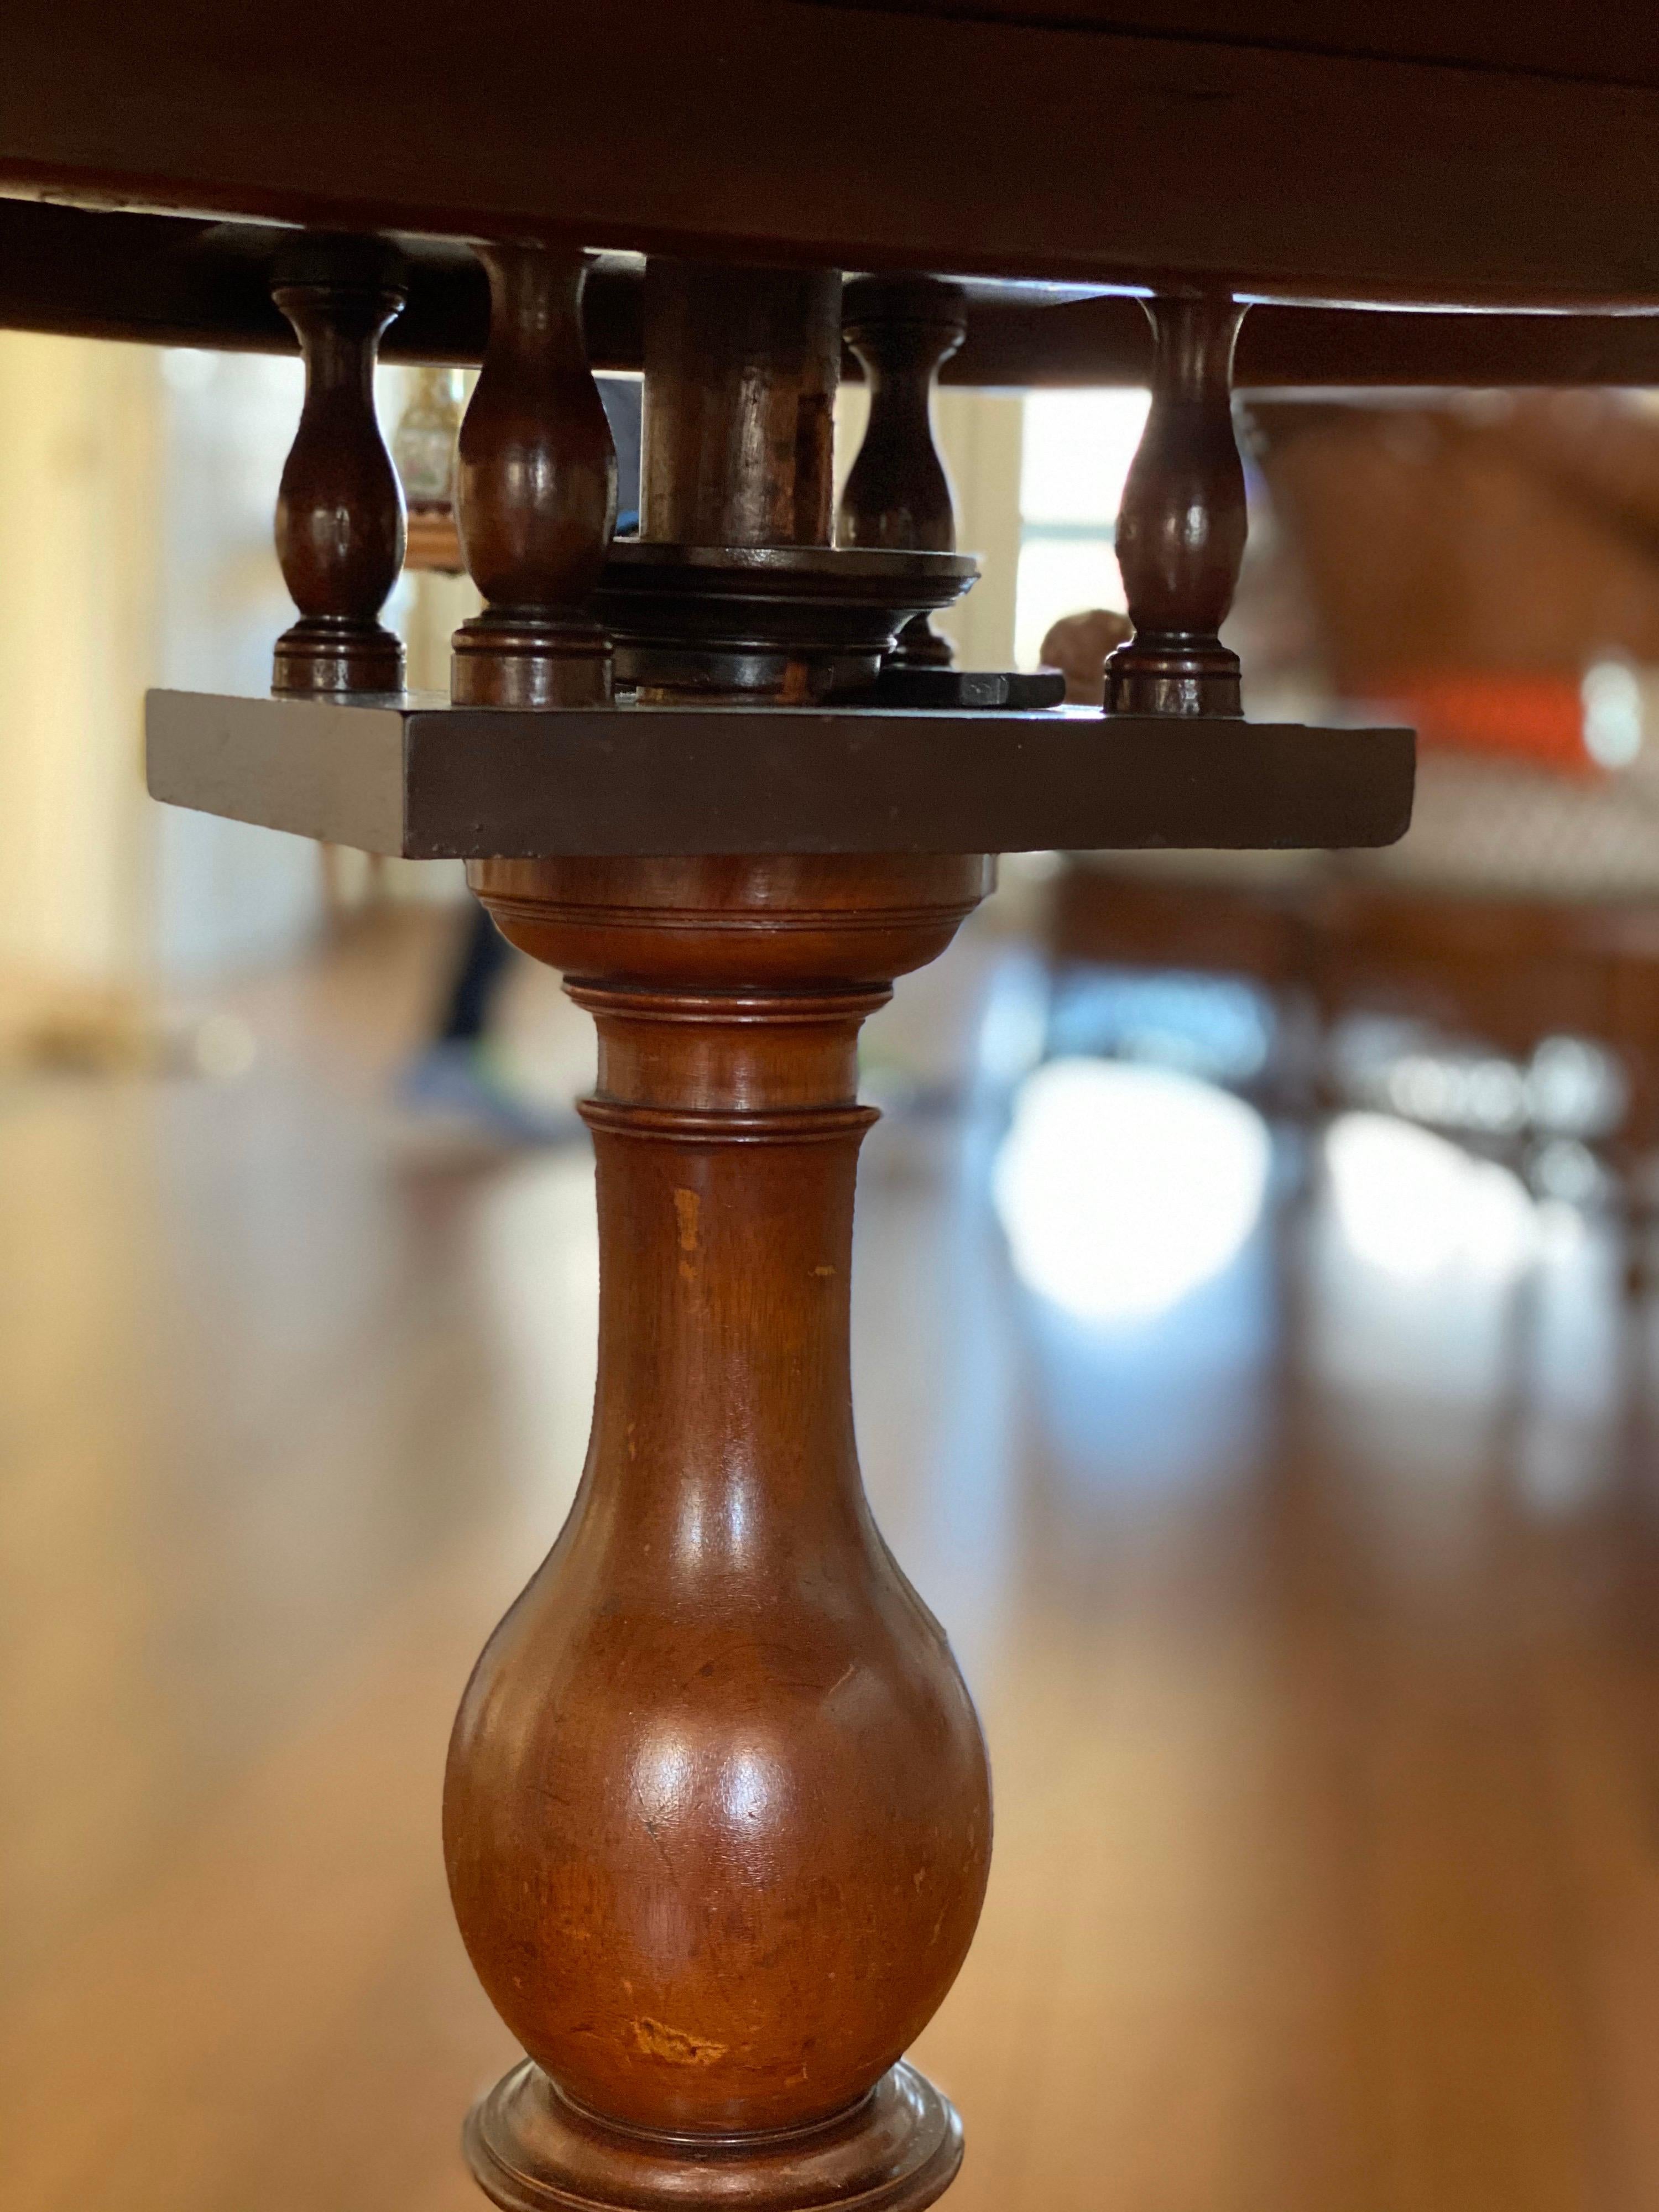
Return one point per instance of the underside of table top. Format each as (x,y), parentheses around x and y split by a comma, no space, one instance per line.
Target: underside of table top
(183,281)
(1510,157)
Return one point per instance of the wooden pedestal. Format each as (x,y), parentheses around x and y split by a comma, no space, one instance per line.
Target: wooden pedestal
(717,1815)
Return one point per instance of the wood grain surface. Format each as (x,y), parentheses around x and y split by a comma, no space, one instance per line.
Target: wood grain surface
(717,1814)
(866,139)
(340,519)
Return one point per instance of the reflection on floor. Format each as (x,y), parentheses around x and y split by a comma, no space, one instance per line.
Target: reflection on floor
(1307,1579)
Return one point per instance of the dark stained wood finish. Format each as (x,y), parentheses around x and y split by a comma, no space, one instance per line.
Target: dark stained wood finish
(177,280)
(340,508)
(718,1817)
(897,493)
(535,494)
(1606,44)
(1180,529)
(428,779)
(788,133)
(1105,340)
(170,280)
(735,591)
(740,372)
(796,625)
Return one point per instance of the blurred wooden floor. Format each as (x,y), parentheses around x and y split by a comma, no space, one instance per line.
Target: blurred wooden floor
(1315,1625)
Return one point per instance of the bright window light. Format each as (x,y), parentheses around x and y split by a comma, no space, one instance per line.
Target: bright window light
(1612,713)
(1415,1206)
(1061,576)
(1076,453)
(1122,1189)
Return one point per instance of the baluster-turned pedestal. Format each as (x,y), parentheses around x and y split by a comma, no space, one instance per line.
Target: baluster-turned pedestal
(339,510)
(902,328)
(1180,529)
(535,494)
(717,1817)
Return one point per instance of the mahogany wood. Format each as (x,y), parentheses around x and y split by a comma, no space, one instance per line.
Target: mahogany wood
(718,1817)
(1106,341)
(734,591)
(340,508)
(897,494)
(1608,46)
(171,280)
(868,139)
(740,372)
(717,1813)
(1181,530)
(535,494)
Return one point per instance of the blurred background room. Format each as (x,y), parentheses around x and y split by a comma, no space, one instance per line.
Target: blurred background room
(1253,1340)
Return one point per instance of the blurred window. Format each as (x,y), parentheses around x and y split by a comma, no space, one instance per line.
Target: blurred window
(1077,451)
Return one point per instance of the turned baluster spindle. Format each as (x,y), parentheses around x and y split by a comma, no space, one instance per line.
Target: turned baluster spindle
(897,494)
(717,1817)
(1181,530)
(339,510)
(536,494)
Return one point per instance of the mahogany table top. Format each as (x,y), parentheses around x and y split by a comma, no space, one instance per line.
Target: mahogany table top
(1292,148)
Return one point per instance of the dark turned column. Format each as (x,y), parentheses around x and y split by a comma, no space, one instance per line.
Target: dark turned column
(733,590)
(898,495)
(741,367)
(1181,531)
(339,510)
(535,494)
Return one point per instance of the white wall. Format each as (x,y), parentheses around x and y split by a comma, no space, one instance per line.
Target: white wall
(79,482)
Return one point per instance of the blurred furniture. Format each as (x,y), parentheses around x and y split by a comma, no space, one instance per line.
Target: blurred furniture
(1508,533)
(1470,561)
(717,1820)
(1508,972)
